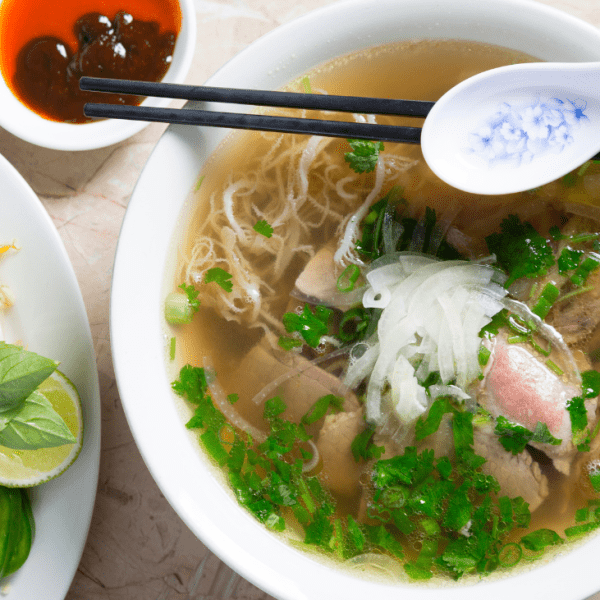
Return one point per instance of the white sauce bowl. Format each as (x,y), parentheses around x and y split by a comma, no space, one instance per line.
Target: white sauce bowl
(26,124)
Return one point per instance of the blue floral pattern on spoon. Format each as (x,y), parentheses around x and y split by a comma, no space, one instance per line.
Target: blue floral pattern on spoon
(516,134)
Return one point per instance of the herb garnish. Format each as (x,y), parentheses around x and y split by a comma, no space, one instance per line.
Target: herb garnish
(28,420)
(263,228)
(311,325)
(590,388)
(364,155)
(520,249)
(220,277)
(514,437)
(455,509)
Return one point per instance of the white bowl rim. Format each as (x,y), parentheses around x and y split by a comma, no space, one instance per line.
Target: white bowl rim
(27,125)
(215,518)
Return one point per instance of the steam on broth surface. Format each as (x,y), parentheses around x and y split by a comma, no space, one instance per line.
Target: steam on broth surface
(407,370)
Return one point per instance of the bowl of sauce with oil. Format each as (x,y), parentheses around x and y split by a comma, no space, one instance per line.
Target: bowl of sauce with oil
(47,47)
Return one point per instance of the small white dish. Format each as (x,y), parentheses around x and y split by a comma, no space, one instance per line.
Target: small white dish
(144,266)
(49,316)
(21,121)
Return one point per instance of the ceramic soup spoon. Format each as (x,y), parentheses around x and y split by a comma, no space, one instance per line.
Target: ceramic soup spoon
(515,128)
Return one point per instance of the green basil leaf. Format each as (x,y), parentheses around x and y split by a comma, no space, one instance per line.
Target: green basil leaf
(34,425)
(21,372)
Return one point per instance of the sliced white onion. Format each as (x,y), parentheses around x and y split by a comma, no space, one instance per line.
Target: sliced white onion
(309,465)
(310,368)
(431,320)
(378,563)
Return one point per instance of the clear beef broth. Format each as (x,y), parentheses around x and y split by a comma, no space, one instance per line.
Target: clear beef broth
(420,70)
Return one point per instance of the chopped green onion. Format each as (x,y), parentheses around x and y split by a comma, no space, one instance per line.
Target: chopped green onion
(584,167)
(484,355)
(589,264)
(547,298)
(178,310)
(172,348)
(348,278)
(581,529)
(305,81)
(213,446)
(554,367)
(510,554)
(199,183)
(354,324)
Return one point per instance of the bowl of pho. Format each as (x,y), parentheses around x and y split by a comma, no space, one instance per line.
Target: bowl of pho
(355,380)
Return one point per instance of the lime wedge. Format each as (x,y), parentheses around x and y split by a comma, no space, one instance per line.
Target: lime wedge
(27,468)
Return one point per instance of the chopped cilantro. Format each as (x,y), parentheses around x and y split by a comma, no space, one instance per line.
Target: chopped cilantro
(568,260)
(364,155)
(556,233)
(220,277)
(430,424)
(320,407)
(456,510)
(363,447)
(274,407)
(578,414)
(263,228)
(595,481)
(288,343)
(233,398)
(514,437)
(590,383)
(191,383)
(311,326)
(520,249)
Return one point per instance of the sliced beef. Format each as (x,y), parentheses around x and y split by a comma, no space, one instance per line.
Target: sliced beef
(521,388)
(300,391)
(317,283)
(518,475)
(340,471)
(577,318)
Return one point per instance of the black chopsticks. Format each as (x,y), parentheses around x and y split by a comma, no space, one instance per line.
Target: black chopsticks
(353,104)
(188,116)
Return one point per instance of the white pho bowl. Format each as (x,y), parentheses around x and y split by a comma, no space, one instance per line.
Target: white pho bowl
(144,270)
(26,124)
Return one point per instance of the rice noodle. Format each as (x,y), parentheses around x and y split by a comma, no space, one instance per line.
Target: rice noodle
(220,399)
(345,252)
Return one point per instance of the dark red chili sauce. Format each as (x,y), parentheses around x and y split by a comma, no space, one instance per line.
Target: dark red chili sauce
(47,45)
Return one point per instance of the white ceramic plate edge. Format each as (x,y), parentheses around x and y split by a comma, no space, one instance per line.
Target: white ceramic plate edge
(50,317)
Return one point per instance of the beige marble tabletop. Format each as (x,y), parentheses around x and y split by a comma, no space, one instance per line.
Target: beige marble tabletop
(138,548)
